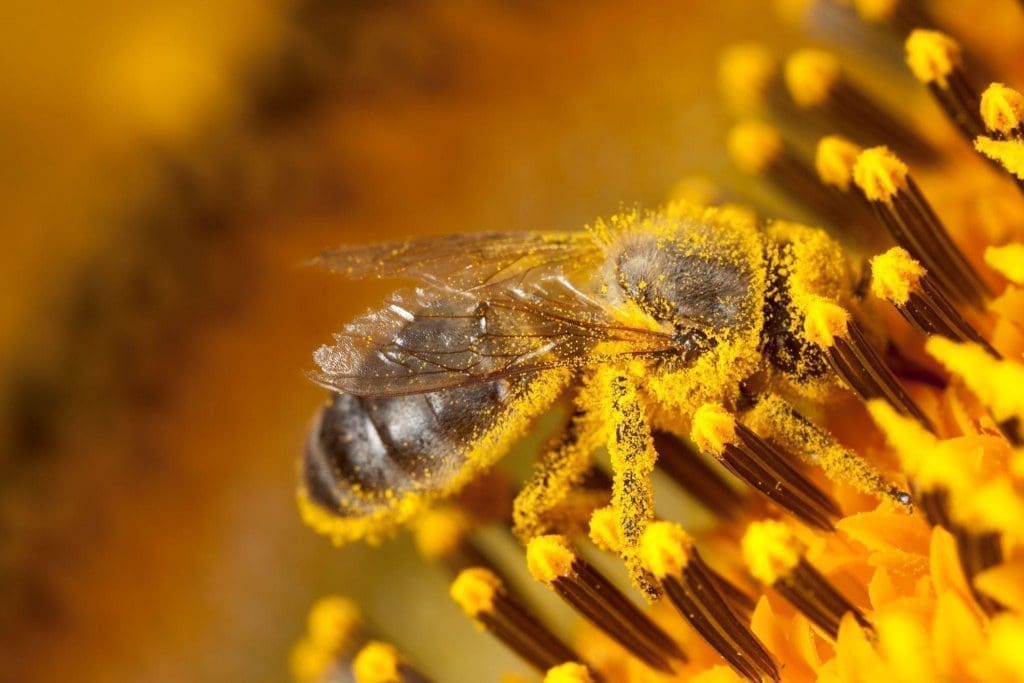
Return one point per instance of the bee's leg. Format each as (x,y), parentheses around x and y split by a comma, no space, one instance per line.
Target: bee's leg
(774,418)
(561,469)
(631,450)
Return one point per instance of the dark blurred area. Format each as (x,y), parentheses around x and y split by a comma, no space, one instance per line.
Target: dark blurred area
(167,168)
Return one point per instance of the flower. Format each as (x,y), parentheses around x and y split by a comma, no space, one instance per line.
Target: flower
(827,582)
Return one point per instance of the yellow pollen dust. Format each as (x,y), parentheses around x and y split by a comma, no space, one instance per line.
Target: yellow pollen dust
(811,76)
(753,146)
(713,428)
(474,590)
(771,550)
(1008,260)
(570,672)
(604,530)
(1007,153)
(549,558)
(999,384)
(377,662)
(834,160)
(932,56)
(438,532)
(332,621)
(875,11)
(745,72)
(824,321)
(895,275)
(665,549)
(880,174)
(1002,109)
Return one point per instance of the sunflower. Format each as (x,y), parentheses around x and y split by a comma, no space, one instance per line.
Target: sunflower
(926,583)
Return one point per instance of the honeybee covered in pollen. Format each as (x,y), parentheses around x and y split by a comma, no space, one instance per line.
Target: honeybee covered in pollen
(695,322)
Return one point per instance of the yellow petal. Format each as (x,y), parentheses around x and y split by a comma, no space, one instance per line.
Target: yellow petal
(1004,583)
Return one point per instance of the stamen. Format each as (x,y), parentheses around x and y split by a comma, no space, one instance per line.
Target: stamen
(897,278)
(483,597)
(903,210)
(555,564)
(749,78)
(816,82)
(379,662)
(570,672)
(936,60)
(762,465)
(776,557)
(900,15)
(604,534)
(1002,111)
(667,552)
(334,630)
(688,469)
(853,358)
(758,149)
(834,160)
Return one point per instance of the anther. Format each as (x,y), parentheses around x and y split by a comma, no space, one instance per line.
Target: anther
(900,15)
(553,562)
(569,672)
(775,557)
(902,209)
(379,662)
(816,82)
(936,60)
(758,149)
(333,633)
(853,358)
(688,469)
(667,551)
(762,465)
(897,278)
(483,597)
(749,78)
(1002,111)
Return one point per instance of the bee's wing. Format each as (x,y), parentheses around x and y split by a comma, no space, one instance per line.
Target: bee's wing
(437,338)
(462,261)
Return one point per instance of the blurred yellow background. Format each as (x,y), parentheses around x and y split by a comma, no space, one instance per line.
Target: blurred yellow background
(166,168)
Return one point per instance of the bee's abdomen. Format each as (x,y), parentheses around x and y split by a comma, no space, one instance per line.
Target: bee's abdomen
(364,454)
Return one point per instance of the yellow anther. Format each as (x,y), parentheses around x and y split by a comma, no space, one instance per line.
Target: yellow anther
(713,428)
(771,550)
(824,321)
(834,160)
(895,275)
(745,73)
(549,558)
(1007,153)
(1008,260)
(753,146)
(875,11)
(604,530)
(309,661)
(932,56)
(332,621)
(811,75)
(377,662)
(439,532)
(1002,109)
(880,174)
(665,549)
(474,590)
(570,672)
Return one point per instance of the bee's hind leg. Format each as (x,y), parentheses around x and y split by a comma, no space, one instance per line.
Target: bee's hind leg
(776,419)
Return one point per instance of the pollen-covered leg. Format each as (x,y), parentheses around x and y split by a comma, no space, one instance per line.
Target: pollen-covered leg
(631,449)
(774,418)
(561,469)
(762,465)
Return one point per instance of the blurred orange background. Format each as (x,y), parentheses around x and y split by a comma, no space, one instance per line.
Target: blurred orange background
(167,167)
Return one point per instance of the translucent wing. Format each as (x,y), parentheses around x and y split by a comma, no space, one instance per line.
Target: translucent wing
(436,338)
(467,260)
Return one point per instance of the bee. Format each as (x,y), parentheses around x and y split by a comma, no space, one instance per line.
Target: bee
(693,321)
